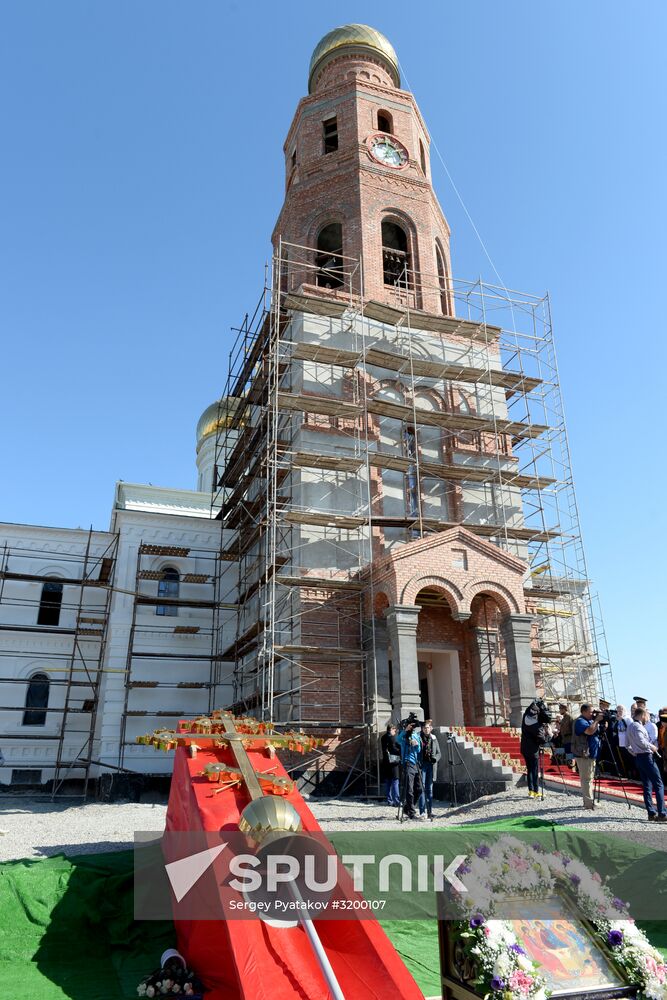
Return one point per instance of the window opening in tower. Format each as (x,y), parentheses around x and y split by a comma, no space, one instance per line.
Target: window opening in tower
(328,260)
(395,255)
(330,134)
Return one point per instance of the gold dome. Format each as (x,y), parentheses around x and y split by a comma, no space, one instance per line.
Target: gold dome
(215,417)
(354,36)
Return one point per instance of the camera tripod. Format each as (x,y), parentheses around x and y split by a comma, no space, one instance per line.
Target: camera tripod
(555,757)
(452,748)
(597,780)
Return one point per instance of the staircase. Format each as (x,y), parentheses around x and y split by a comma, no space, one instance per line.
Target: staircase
(474,769)
(504,744)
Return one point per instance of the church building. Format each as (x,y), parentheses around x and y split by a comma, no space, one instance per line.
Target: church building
(385,519)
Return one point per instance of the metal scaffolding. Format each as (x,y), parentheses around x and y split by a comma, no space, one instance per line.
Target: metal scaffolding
(79,619)
(299,647)
(170,631)
(348,425)
(303,465)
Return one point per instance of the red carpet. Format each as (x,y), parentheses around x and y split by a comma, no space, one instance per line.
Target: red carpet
(508,742)
(250,960)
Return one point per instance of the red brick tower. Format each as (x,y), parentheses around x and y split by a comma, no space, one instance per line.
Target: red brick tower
(358,178)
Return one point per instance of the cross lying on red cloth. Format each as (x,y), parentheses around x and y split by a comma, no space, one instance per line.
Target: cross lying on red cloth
(250,959)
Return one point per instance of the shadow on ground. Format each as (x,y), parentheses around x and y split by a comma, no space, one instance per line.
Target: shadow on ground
(67,929)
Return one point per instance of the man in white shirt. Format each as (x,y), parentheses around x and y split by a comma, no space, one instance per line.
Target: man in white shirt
(621,733)
(642,750)
(652,730)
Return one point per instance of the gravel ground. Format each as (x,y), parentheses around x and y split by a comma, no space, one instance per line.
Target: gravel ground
(32,827)
(557,807)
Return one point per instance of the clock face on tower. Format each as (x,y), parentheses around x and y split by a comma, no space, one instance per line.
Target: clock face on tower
(387,150)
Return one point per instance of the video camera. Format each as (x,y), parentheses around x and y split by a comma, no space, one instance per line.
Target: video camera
(412,722)
(606,717)
(543,713)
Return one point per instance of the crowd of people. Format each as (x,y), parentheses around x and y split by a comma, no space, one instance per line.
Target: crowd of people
(598,740)
(601,740)
(410,758)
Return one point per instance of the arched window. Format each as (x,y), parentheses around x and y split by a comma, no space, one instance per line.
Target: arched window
(385,124)
(36,700)
(430,436)
(463,405)
(422,157)
(442,280)
(392,393)
(328,260)
(169,587)
(462,402)
(395,255)
(49,603)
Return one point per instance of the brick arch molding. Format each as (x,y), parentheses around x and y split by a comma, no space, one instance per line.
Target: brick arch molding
(503,597)
(453,595)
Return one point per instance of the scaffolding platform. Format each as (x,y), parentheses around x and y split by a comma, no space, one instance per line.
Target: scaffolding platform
(308,421)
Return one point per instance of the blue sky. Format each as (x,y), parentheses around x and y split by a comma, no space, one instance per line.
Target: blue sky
(141,174)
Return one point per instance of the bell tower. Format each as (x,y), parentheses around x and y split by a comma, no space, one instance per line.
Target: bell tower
(358,179)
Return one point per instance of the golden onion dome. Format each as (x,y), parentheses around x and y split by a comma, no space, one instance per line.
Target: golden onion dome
(355,37)
(214,418)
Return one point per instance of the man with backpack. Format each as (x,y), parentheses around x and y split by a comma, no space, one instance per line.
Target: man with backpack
(585,748)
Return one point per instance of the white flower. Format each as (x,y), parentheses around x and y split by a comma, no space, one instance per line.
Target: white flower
(524,963)
(502,966)
(629,928)
(500,933)
(540,995)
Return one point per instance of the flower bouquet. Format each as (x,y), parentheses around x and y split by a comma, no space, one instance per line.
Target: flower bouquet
(502,968)
(173,978)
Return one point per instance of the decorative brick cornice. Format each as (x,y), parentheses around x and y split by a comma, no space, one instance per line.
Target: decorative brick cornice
(352,88)
(443,538)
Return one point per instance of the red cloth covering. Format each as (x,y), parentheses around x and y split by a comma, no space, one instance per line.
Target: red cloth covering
(251,960)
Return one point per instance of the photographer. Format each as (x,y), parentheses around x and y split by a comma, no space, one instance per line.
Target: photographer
(586,747)
(606,723)
(431,754)
(535,732)
(642,750)
(391,761)
(410,743)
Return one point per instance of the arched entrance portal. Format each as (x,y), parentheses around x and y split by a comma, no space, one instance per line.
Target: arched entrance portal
(491,703)
(441,658)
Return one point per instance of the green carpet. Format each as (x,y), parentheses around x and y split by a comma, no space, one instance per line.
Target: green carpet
(67,930)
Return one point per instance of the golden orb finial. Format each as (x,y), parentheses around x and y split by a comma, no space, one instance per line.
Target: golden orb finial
(267,816)
(360,37)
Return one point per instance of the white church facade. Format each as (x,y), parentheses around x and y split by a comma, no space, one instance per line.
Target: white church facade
(105,633)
